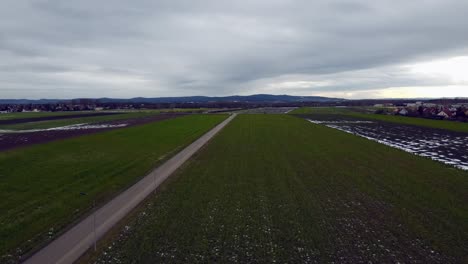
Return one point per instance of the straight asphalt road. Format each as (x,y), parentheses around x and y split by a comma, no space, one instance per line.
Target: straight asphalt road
(68,247)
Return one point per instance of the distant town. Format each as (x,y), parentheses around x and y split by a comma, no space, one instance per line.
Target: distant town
(448,109)
(422,109)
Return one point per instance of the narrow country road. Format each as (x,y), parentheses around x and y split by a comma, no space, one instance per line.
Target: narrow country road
(72,244)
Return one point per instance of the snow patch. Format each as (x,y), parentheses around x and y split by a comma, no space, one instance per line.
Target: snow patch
(435,146)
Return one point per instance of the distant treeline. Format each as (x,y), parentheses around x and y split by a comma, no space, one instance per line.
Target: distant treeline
(96,104)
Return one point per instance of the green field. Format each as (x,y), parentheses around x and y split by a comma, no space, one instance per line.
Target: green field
(170,110)
(40,185)
(276,188)
(321,110)
(91,119)
(19,115)
(355,112)
(184,110)
(10,116)
(73,121)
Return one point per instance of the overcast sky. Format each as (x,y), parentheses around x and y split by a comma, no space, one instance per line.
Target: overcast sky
(121,48)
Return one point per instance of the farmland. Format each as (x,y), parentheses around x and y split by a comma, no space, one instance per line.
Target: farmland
(41,184)
(43,120)
(20,115)
(88,118)
(358,113)
(267,110)
(11,116)
(445,146)
(11,139)
(276,188)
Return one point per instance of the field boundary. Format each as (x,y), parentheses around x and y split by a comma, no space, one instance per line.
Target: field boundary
(68,247)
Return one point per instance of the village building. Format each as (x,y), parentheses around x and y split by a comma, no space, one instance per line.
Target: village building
(429,111)
(403,112)
(445,114)
(430,105)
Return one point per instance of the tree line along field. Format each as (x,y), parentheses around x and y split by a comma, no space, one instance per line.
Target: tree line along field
(353,111)
(276,188)
(40,185)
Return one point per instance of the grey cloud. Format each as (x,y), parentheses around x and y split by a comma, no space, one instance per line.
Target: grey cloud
(221,47)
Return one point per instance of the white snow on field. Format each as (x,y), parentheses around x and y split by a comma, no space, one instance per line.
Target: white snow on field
(435,146)
(62,128)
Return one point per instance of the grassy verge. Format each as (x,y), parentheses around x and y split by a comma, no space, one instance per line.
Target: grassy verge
(73,121)
(354,112)
(275,188)
(40,185)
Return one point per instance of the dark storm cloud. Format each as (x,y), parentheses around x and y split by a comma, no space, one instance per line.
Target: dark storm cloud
(165,48)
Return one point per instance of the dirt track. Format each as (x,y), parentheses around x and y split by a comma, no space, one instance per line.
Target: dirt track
(14,140)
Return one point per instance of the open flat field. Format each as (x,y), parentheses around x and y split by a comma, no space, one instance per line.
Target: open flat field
(442,124)
(448,146)
(442,145)
(34,123)
(21,115)
(40,185)
(277,188)
(321,110)
(11,116)
(26,121)
(19,138)
(267,110)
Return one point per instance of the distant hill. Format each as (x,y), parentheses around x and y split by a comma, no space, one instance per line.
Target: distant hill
(256,98)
